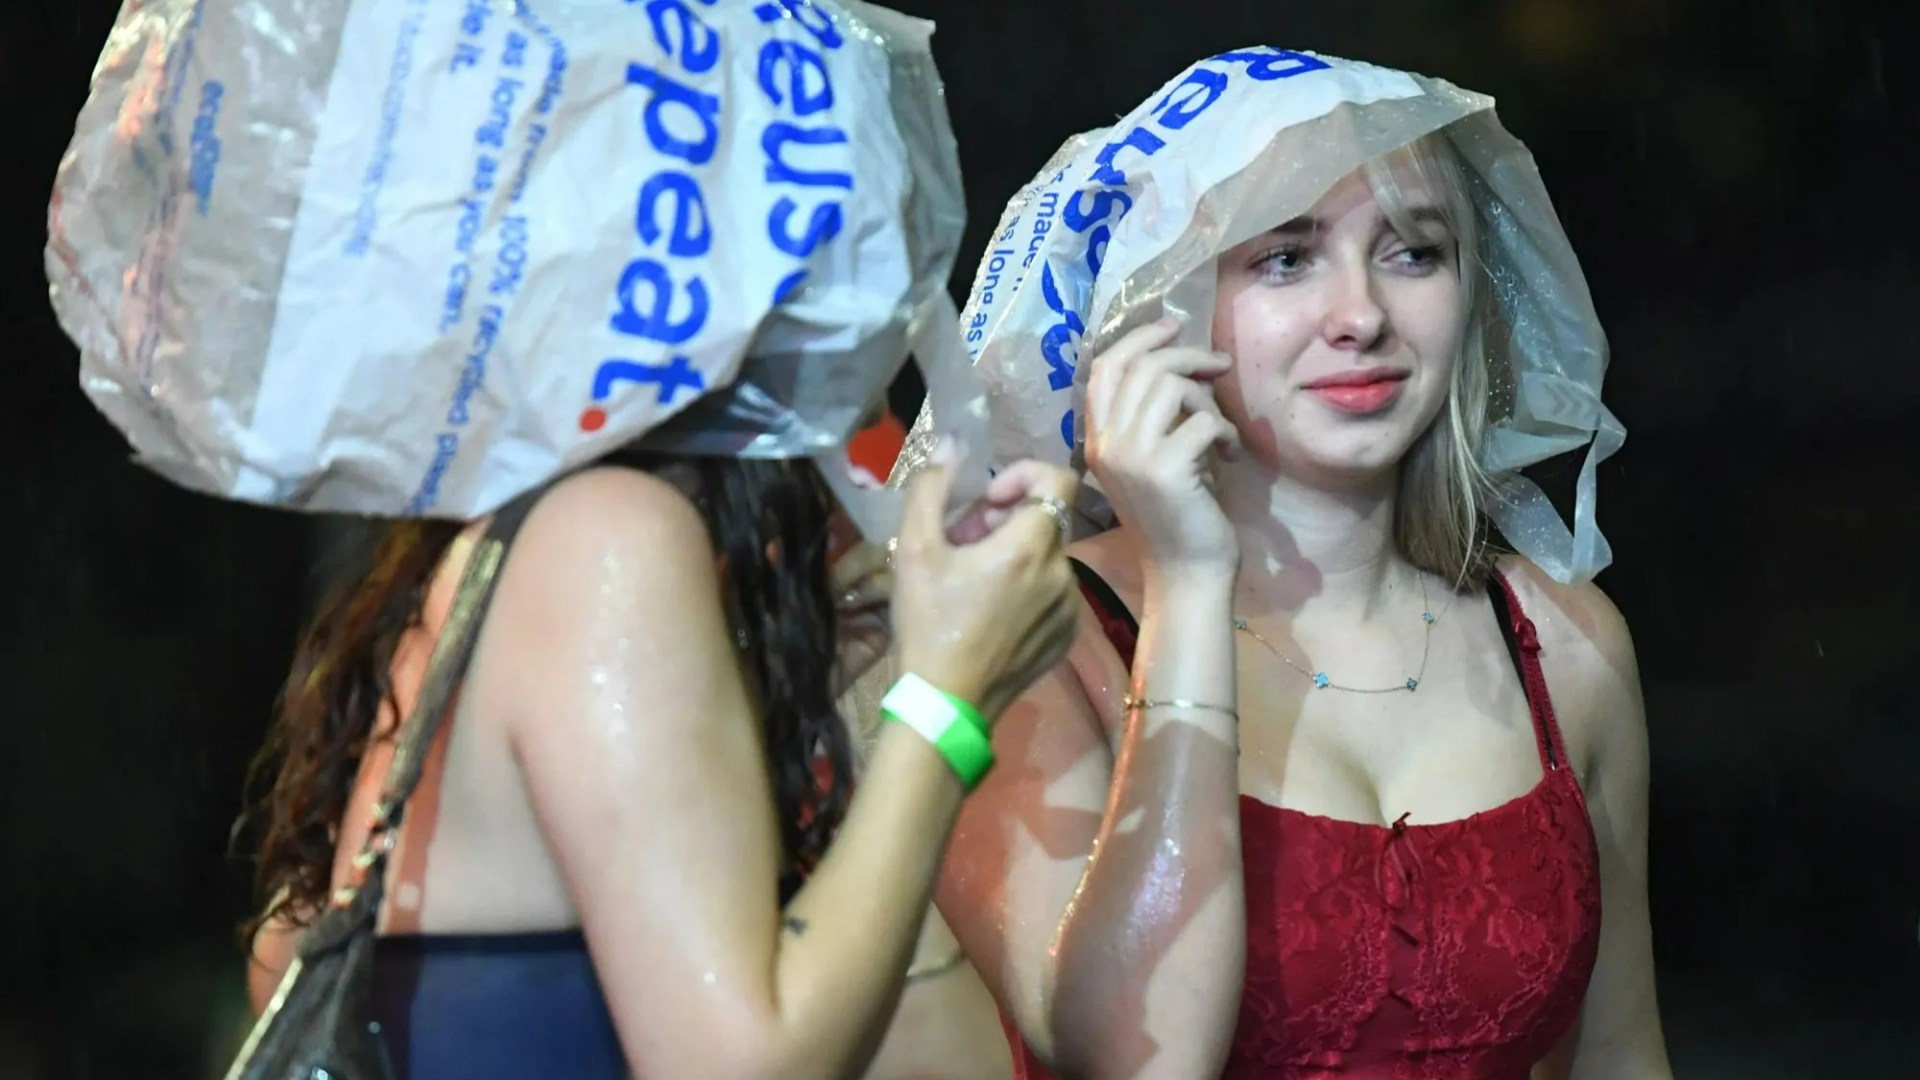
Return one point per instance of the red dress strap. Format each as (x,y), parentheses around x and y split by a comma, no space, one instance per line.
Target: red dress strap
(1121,627)
(1524,640)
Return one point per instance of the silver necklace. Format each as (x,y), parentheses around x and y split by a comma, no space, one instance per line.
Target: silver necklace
(1322,681)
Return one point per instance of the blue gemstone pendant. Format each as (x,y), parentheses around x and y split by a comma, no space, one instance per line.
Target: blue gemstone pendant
(1320,680)
(1413,684)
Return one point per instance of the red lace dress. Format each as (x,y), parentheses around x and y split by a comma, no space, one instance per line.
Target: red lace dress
(1454,951)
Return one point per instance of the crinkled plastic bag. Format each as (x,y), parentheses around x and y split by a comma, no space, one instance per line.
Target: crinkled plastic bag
(1124,225)
(411,259)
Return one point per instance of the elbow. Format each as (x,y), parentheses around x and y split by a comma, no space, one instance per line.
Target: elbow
(747,1056)
(1181,1061)
(758,1051)
(1107,1030)
(1127,1049)
(772,1063)
(749,1064)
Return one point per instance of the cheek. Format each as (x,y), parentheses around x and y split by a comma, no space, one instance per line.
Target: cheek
(1431,319)
(1440,352)
(1257,425)
(1264,337)
(1225,333)
(1251,389)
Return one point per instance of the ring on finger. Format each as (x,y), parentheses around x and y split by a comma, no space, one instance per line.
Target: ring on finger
(1055,509)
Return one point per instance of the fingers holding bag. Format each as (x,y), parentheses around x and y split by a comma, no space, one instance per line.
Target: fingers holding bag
(980,618)
(1152,428)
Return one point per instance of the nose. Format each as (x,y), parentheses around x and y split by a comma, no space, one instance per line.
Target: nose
(1355,320)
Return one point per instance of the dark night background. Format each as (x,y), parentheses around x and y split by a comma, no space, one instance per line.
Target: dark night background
(1738,177)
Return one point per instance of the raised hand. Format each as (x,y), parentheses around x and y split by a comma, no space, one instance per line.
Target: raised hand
(1152,429)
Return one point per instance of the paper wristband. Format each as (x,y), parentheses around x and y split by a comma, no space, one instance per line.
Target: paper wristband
(954,727)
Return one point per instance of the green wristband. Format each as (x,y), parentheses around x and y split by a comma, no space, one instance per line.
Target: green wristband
(955,728)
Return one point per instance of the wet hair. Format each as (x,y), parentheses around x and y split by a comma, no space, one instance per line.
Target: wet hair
(768,520)
(1440,519)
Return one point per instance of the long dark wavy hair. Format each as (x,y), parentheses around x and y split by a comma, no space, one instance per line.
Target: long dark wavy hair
(769,524)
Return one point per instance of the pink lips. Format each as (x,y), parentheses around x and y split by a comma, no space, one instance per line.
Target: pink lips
(1364,391)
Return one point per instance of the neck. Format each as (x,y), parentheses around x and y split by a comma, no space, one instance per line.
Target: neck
(1324,545)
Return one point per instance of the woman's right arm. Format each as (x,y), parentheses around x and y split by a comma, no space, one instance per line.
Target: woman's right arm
(1096,885)
(1095,877)
(638,740)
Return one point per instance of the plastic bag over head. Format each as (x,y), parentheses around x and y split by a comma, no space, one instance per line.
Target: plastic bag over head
(413,258)
(1125,225)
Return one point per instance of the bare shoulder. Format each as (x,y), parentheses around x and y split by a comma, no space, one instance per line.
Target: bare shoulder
(1586,651)
(1579,623)
(608,529)
(602,556)
(611,508)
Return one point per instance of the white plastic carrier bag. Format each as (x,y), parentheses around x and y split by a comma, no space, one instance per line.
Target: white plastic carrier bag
(411,258)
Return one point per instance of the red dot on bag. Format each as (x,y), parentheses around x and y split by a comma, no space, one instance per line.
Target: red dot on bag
(593,420)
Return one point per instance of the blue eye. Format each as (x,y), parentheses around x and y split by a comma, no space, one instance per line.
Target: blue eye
(1281,263)
(1422,259)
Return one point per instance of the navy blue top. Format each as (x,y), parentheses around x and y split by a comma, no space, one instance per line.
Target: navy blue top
(493,1007)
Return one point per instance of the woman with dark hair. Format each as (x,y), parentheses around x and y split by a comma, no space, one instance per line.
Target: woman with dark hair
(634,844)
(573,759)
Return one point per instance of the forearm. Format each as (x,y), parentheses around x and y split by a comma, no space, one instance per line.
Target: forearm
(849,933)
(1160,915)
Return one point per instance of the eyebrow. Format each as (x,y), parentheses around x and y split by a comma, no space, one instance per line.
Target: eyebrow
(1307,225)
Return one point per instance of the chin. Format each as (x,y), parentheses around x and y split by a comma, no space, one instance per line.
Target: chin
(1351,457)
(1340,471)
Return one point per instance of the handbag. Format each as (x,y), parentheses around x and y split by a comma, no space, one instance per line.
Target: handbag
(318,1024)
